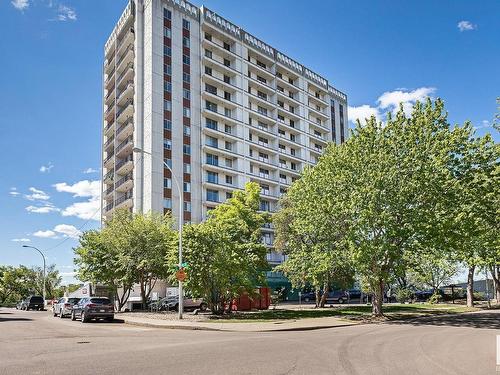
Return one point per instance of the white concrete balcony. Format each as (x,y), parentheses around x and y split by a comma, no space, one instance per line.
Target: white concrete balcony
(127,93)
(125,183)
(110,97)
(109,129)
(125,42)
(125,58)
(108,192)
(125,201)
(126,75)
(109,144)
(125,147)
(109,161)
(125,129)
(125,111)
(109,177)
(125,165)
(108,207)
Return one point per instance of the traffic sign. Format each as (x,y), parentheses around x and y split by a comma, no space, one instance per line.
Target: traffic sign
(181,275)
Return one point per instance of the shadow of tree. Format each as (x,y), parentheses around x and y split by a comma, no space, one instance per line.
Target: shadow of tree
(487,320)
(14,319)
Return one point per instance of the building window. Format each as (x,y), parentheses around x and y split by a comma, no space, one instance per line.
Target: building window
(167,144)
(213,142)
(292,137)
(186,77)
(228,146)
(208,70)
(227,63)
(293,166)
(229,163)
(187,130)
(261,64)
(212,177)
(187,168)
(187,187)
(229,195)
(228,129)
(167,69)
(211,89)
(186,60)
(167,105)
(211,106)
(208,53)
(167,14)
(186,94)
(167,124)
(186,149)
(212,195)
(168,162)
(167,183)
(265,206)
(185,24)
(266,238)
(186,112)
(208,36)
(167,51)
(261,79)
(187,206)
(227,95)
(167,86)
(185,42)
(227,79)
(167,203)
(168,32)
(227,46)
(229,180)
(212,159)
(211,124)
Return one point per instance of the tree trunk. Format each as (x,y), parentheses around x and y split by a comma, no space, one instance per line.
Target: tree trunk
(470,287)
(325,294)
(495,273)
(378,298)
(317,297)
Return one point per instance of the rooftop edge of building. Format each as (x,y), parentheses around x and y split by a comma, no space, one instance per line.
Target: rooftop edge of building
(204,14)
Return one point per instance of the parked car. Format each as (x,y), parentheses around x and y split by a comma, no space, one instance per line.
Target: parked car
(93,308)
(422,295)
(339,296)
(64,306)
(308,296)
(33,303)
(172,303)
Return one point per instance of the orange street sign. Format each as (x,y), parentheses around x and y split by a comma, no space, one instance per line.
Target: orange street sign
(181,275)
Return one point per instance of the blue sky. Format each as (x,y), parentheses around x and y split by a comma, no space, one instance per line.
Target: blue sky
(378,52)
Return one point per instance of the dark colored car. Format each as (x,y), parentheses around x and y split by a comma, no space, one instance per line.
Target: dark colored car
(93,308)
(339,296)
(422,295)
(33,303)
(308,296)
(64,306)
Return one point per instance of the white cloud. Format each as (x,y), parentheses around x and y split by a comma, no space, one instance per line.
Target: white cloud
(90,170)
(466,26)
(37,195)
(67,230)
(84,188)
(21,240)
(389,101)
(45,234)
(363,112)
(484,125)
(42,209)
(46,168)
(20,4)
(65,13)
(13,191)
(84,210)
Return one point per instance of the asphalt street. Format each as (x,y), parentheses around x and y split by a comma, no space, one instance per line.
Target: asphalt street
(36,343)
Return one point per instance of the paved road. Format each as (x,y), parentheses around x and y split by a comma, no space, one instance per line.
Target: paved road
(36,343)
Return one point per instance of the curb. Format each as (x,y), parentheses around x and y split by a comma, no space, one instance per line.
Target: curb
(199,328)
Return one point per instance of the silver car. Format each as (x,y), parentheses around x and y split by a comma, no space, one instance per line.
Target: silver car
(64,306)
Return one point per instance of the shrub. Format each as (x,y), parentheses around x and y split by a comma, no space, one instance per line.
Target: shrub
(435,298)
(403,295)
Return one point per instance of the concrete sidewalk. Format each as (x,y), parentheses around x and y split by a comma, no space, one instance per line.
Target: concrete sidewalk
(242,326)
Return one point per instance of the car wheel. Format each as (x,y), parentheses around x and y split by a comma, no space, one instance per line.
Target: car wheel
(306,299)
(61,315)
(27,308)
(83,318)
(73,316)
(203,306)
(341,300)
(54,313)
(176,307)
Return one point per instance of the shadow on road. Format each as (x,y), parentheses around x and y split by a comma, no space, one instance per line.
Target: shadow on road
(480,320)
(4,313)
(15,319)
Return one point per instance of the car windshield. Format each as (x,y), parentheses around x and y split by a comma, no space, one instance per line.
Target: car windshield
(36,299)
(74,301)
(100,301)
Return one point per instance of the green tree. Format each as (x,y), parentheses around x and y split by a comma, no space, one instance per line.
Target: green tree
(383,194)
(225,254)
(14,283)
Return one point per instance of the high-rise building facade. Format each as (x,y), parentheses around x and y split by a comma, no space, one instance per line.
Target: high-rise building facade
(215,103)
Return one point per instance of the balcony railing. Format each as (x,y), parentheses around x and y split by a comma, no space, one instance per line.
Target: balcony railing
(122,162)
(123,198)
(124,107)
(130,65)
(124,54)
(108,158)
(123,144)
(109,207)
(109,142)
(122,180)
(110,174)
(109,190)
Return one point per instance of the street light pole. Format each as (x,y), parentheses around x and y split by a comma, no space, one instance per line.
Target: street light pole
(44,266)
(181,221)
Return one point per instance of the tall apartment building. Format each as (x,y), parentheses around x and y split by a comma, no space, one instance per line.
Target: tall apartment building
(218,105)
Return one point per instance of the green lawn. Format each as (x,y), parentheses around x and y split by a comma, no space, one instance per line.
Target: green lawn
(362,312)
